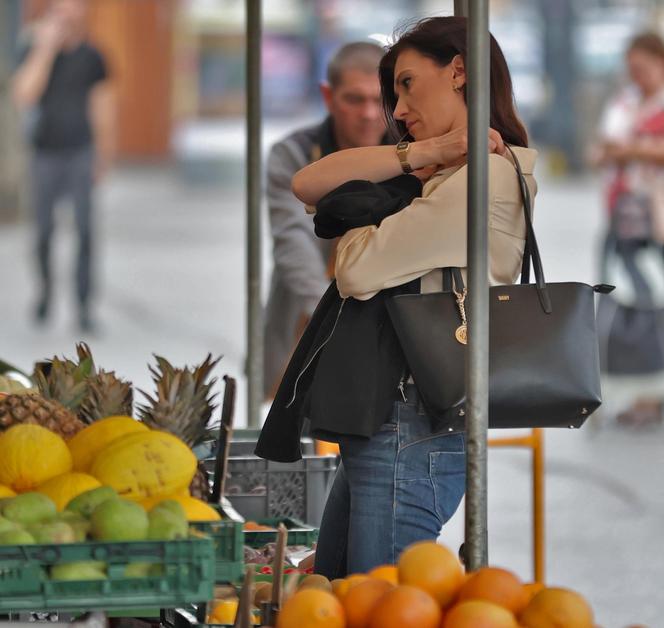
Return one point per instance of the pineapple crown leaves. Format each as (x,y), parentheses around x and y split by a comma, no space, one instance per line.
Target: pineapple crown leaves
(64,380)
(84,354)
(107,395)
(89,392)
(182,404)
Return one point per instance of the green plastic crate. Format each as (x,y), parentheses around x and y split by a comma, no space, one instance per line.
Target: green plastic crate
(228,548)
(188,575)
(299,533)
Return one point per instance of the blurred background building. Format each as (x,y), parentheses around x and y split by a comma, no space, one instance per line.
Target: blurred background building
(179,65)
(172,225)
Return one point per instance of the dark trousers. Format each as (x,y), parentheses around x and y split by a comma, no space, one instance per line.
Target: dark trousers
(627,252)
(58,174)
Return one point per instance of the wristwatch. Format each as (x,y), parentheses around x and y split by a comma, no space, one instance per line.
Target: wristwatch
(402,154)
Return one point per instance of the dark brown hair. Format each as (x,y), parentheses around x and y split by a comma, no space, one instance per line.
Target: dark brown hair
(441,39)
(650,43)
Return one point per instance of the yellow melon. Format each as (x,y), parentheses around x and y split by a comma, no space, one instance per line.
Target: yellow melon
(145,464)
(30,455)
(85,445)
(5,491)
(149,502)
(195,509)
(63,488)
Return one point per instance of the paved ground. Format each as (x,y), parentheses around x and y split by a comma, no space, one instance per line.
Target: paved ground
(172,282)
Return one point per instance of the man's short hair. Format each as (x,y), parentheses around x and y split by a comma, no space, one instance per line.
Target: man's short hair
(360,55)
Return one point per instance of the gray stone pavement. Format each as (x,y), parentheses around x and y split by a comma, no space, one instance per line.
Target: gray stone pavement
(171,281)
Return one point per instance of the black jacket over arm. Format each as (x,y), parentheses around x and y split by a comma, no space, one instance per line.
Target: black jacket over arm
(345,371)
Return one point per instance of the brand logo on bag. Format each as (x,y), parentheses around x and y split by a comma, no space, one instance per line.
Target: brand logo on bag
(503,297)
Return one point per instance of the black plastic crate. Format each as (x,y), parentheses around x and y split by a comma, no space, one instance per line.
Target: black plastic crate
(259,488)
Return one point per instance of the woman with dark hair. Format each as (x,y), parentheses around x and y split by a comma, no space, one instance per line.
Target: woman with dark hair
(402,474)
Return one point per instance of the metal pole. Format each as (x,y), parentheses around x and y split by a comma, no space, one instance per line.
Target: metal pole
(461,8)
(254,309)
(477,367)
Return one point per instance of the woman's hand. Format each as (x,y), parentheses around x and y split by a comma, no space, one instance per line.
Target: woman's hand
(424,174)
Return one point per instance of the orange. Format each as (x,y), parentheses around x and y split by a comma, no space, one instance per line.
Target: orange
(432,568)
(390,573)
(339,584)
(530,589)
(312,608)
(479,614)
(406,607)
(347,583)
(553,607)
(324,448)
(224,612)
(361,599)
(496,585)
(315,581)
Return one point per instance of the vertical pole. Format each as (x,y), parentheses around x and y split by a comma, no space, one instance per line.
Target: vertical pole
(539,545)
(254,310)
(477,367)
(461,8)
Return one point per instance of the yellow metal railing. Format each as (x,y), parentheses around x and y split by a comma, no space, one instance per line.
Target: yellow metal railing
(535,442)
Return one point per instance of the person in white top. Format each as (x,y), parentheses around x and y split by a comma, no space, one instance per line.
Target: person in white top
(631,152)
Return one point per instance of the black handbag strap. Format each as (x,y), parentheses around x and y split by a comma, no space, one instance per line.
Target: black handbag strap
(452,275)
(453,279)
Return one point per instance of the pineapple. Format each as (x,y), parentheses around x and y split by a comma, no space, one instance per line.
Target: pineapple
(182,406)
(62,387)
(32,408)
(64,381)
(90,393)
(107,395)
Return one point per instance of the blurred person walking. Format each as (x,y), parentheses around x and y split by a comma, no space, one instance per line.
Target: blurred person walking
(303,263)
(62,83)
(631,149)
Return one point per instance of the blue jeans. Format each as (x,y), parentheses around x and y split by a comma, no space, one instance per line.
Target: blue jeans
(400,486)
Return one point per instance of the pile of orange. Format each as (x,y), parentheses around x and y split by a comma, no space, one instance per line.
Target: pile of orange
(429,589)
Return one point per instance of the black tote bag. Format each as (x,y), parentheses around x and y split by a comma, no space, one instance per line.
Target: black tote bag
(543,350)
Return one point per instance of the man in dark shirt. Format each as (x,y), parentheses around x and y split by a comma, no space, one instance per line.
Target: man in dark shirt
(64,80)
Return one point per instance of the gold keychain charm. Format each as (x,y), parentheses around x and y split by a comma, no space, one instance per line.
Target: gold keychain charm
(461,333)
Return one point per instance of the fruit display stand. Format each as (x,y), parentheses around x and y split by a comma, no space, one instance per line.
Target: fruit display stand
(178,573)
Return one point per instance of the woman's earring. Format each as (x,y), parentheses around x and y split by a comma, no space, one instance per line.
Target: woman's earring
(456,88)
